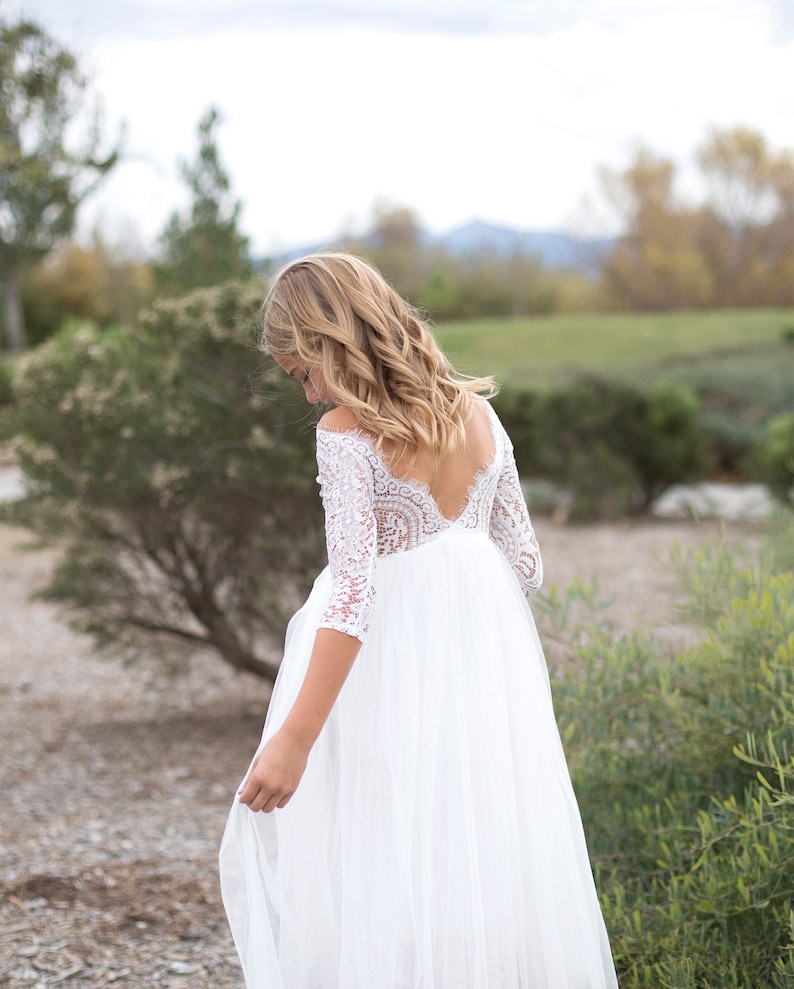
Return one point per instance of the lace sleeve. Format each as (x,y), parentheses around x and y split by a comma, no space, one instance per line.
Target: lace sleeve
(345,479)
(510,527)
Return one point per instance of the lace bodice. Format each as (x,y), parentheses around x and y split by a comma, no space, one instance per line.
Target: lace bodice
(370,513)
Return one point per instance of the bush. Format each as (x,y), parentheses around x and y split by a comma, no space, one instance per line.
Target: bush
(184,500)
(731,439)
(776,455)
(684,769)
(617,446)
(519,411)
(739,389)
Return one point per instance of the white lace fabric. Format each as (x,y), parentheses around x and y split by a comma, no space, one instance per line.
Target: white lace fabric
(370,513)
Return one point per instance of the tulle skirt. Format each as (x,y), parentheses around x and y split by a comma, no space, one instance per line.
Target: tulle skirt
(434,841)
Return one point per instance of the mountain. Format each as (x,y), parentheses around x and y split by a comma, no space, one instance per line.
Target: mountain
(553,249)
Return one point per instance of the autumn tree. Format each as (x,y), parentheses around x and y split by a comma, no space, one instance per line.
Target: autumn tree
(103,282)
(734,248)
(394,244)
(44,174)
(656,263)
(747,222)
(204,247)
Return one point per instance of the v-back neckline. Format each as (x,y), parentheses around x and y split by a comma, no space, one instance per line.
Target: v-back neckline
(422,486)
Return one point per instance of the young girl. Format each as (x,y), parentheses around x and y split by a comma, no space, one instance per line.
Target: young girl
(419,827)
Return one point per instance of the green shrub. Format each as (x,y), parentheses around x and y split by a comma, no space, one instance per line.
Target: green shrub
(739,388)
(776,455)
(731,440)
(616,446)
(184,498)
(519,411)
(684,769)
(664,444)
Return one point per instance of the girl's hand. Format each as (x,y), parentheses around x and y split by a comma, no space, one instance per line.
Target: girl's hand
(275,774)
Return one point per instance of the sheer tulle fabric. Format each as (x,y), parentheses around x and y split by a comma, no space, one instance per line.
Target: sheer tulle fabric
(434,841)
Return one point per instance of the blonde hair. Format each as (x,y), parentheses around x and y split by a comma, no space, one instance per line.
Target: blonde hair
(337,313)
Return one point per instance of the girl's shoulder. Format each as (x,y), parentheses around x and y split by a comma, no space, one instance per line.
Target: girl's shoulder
(339,420)
(342,421)
(338,430)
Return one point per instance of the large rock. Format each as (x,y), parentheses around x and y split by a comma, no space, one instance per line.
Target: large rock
(714,500)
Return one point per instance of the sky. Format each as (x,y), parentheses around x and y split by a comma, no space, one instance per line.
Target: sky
(495,110)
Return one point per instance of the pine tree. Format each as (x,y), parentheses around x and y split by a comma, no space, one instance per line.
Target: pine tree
(205,247)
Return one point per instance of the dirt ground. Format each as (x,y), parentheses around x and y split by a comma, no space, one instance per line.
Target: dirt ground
(116,779)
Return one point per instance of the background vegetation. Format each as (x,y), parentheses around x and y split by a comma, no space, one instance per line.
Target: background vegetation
(684,768)
(177,473)
(178,480)
(540,350)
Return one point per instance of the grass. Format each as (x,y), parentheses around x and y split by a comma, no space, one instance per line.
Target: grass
(756,380)
(533,350)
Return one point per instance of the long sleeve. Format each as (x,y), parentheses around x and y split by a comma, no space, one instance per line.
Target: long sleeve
(345,479)
(510,526)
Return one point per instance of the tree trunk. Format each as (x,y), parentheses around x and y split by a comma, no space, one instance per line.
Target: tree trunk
(12,304)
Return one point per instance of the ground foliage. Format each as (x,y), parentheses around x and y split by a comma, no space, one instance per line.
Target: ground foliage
(178,478)
(611,446)
(775,452)
(684,768)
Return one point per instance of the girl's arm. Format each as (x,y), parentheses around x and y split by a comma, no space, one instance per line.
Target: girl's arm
(351,536)
(278,768)
(511,528)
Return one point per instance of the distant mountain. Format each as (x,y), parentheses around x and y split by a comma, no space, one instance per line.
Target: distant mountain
(553,249)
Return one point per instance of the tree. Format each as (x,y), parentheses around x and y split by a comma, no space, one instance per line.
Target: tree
(734,249)
(656,263)
(205,247)
(43,180)
(185,502)
(747,232)
(394,244)
(102,282)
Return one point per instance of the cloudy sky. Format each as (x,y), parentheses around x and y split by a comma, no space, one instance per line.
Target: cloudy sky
(461,109)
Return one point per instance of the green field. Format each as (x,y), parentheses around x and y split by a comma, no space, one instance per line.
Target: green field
(540,349)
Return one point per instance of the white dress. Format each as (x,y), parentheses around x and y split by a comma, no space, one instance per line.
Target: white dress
(434,841)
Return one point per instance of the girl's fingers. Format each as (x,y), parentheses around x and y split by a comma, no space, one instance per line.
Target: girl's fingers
(264,800)
(247,792)
(272,802)
(252,794)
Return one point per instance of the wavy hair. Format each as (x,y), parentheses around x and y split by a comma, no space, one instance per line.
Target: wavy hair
(337,313)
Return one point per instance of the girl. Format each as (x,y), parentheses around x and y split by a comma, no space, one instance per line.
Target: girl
(419,827)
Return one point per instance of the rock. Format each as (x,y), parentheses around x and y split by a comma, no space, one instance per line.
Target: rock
(12,485)
(714,501)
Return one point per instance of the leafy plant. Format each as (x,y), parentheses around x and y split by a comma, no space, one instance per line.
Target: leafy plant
(683,764)
(613,447)
(776,455)
(183,497)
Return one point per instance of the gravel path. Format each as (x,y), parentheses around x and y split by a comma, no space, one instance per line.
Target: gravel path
(116,779)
